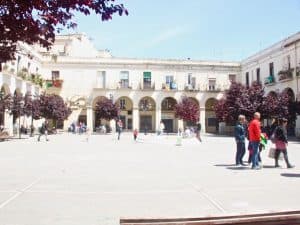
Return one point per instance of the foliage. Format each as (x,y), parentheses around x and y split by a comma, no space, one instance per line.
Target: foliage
(53,107)
(28,104)
(17,108)
(187,110)
(36,109)
(5,102)
(106,109)
(242,100)
(37,21)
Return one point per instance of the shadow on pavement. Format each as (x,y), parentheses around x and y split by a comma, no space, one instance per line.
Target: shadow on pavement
(238,168)
(269,167)
(225,165)
(291,175)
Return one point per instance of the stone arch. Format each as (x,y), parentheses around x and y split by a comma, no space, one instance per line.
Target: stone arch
(211,123)
(5,89)
(126,111)
(290,93)
(195,101)
(272,93)
(147,114)
(168,114)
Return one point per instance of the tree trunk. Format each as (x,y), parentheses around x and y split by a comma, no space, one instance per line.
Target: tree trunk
(19,127)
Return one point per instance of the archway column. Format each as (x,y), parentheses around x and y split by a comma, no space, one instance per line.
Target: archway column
(89,117)
(8,122)
(202,119)
(181,125)
(135,118)
(157,118)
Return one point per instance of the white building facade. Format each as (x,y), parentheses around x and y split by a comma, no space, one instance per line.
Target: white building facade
(145,89)
(277,68)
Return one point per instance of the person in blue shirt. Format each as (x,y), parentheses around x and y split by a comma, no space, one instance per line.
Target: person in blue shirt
(240,134)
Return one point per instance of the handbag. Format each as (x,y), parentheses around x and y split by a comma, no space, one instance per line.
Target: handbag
(272,153)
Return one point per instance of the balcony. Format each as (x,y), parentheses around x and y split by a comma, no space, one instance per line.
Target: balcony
(190,87)
(123,85)
(270,80)
(213,88)
(147,86)
(169,86)
(285,75)
(54,83)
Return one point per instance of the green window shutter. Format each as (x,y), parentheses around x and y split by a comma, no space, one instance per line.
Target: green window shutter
(147,75)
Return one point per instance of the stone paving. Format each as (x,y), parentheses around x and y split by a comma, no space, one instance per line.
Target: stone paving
(69,181)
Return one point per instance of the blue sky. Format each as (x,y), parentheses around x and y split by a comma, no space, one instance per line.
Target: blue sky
(197,29)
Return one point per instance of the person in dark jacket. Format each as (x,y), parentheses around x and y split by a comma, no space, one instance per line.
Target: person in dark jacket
(44,130)
(198,131)
(273,126)
(281,141)
(240,134)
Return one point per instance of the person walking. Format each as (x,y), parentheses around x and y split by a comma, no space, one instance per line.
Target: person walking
(44,130)
(119,128)
(161,127)
(254,139)
(239,134)
(281,141)
(198,130)
(135,134)
(273,126)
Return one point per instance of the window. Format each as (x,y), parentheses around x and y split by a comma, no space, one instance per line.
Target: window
(147,79)
(247,79)
(232,77)
(101,79)
(55,75)
(212,84)
(124,79)
(271,69)
(289,62)
(258,75)
(170,82)
(122,104)
(191,84)
(189,78)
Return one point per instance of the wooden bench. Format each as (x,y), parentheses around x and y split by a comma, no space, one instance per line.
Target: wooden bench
(279,218)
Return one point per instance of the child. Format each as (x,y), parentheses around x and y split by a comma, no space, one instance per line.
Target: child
(135,134)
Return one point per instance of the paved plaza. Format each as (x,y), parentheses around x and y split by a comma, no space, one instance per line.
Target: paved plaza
(68,181)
